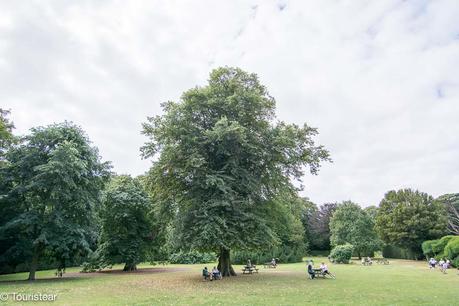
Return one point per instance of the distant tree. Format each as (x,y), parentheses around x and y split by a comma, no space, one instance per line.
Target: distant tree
(308,214)
(407,217)
(320,227)
(52,184)
(351,224)
(127,225)
(221,160)
(451,203)
(6,133)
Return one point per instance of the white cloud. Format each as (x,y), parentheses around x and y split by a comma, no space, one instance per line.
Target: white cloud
(379,79)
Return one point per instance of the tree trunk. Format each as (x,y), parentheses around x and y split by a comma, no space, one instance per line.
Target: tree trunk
(34,264)
(130,267)
(224,263)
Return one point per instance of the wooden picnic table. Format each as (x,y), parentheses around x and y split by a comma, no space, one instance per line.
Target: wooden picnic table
(249,269)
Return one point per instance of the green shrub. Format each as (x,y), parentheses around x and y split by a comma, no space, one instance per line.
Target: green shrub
(452,250)
(455,262)
(392,251)
(193,257)
(283,254)
(439,246)
(342,253)
(427,248)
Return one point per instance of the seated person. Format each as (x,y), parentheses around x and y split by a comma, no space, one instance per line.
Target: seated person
(249,263)
(310,270)
(369,260)
(273,262)
(216,273)
(324,268)
(205,273)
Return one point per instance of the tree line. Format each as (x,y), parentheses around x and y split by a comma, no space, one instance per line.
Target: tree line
(221,181)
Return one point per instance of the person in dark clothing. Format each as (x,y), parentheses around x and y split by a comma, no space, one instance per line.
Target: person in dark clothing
(310,270)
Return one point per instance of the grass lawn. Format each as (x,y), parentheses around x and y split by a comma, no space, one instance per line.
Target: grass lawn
(400,283)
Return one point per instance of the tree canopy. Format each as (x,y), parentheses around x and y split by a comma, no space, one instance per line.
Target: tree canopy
(408,217)
(127,232)
(451,203)
(6,133)
(221,158)
(51,186)
(351,224)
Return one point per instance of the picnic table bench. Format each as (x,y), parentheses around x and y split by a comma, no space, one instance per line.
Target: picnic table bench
(319,273)
(269,265)
(382,261)
(249,270)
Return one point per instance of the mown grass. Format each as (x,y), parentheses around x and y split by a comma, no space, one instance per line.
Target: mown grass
(400,283)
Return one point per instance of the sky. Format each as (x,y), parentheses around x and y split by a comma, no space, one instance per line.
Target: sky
(378,79)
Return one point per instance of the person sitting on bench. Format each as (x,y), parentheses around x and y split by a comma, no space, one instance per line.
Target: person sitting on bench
(205,273)
(273,262)
(310,270)
(215,273)
(324,268)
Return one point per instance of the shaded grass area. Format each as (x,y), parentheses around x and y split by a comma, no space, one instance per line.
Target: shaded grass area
(400,283)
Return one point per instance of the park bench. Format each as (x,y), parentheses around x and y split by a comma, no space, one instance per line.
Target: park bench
(269,265)
(249,270)
(383,261)
(319,273)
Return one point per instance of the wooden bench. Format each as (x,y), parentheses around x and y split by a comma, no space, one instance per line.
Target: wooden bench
(269,265)
(319,273)
(383,261)
(249,270)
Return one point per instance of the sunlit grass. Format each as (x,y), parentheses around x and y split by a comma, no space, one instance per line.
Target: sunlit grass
(400,283)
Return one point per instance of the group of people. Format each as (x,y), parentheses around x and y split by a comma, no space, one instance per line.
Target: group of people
(214,275)
(323,269)
(443,265)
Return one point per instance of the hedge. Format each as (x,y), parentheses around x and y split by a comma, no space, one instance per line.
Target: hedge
(342,253)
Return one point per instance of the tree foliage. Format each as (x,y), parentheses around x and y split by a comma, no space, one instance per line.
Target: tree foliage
(127,233)
(451,203)
(407,217)
(319,226)
(6,133)
(51,186)
(351,224)
(222,159)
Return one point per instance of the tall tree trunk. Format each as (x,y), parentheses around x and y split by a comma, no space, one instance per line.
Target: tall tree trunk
(34,263)
(130,267)
(224,263)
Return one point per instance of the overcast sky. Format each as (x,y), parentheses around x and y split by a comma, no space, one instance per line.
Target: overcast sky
(379,79)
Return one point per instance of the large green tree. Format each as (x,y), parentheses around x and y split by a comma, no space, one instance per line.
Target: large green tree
(52,185)
(351,224)
(408,217)
(220,159)
(127,233)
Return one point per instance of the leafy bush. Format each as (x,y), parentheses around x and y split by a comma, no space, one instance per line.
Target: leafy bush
(439,245)
(446,247)
(427,248)
(193,257)
(284,254)
(342,253)
(392,251)
(452,250)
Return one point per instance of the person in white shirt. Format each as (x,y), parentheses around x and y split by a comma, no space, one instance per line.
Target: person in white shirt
(216,273)
(432,263)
